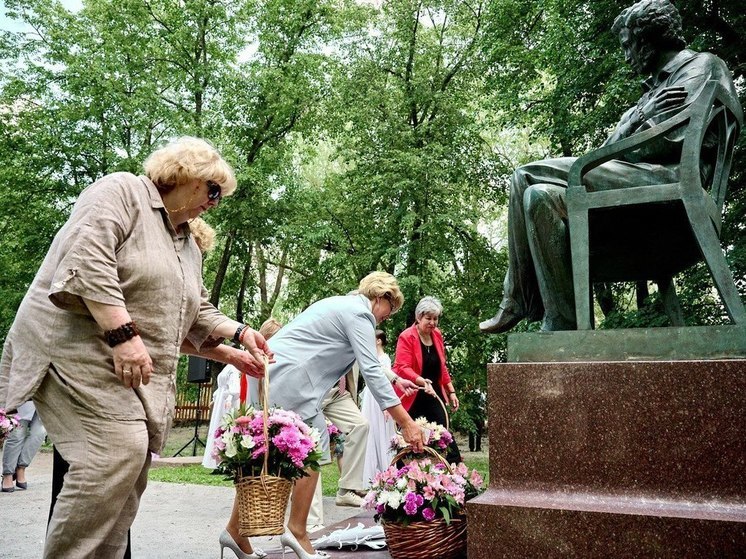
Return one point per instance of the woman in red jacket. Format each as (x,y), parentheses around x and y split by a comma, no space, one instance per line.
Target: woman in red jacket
(421,358)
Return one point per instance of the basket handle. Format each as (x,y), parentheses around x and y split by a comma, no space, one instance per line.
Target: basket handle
(264,395)
(445,412)
(426,450)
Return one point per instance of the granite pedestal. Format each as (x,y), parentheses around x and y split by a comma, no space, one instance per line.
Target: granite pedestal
(615,458)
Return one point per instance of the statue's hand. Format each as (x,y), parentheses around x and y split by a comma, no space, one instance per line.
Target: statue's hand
(666,99)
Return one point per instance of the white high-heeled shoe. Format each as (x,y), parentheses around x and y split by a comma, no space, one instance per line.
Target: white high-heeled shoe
(226,540)
(287,539)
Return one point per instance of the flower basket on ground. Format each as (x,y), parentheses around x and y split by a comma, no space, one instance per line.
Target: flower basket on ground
(421,506)
(264,478)
(7,424)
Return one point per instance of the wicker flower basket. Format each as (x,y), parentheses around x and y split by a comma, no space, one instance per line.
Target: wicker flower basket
(262,499)
(426,540)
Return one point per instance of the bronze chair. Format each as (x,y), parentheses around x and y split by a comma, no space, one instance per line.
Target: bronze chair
(674,225)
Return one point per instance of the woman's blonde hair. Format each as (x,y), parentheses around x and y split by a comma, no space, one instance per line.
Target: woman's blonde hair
(269,328)
(203,234)
(382,284)
(185,160)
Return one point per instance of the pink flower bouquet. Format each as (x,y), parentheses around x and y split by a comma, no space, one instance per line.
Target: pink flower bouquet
(437,437)
(240,445)
(422,491)
(7,424)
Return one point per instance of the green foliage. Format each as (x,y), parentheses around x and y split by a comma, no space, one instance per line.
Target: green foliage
(363,138)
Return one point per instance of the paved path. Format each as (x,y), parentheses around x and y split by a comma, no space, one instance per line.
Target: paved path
(175,520)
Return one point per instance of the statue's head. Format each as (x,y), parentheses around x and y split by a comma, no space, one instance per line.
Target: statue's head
(646,29)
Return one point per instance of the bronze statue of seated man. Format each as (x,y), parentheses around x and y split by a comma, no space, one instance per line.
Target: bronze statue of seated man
(538,284)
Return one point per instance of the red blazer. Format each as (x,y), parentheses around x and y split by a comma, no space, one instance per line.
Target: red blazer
(408,361)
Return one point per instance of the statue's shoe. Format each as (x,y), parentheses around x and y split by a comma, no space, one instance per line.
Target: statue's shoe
(557,324)
(504,320)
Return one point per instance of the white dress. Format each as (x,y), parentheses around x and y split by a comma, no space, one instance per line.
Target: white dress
(226,398)
(382,430)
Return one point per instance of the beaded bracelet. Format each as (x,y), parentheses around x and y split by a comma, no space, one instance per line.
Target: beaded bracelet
(237,335)
(120,335)
(241,335)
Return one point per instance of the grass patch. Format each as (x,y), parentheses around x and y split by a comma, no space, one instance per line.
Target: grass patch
(194,474)
(199,475)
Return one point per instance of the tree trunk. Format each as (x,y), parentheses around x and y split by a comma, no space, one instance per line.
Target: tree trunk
(222,268)
(262,267)
(278,286)
(242,289)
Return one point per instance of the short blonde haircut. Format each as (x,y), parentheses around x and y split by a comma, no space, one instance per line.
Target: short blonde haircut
(269,328)
(203,234)
(185,160)
(382,284)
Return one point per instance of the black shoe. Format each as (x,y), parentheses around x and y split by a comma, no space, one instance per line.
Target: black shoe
(504,320)
(22,485)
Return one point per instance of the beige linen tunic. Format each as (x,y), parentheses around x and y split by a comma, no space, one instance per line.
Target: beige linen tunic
(117,248)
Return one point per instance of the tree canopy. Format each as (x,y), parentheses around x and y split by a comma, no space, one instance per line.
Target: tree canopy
(365,135)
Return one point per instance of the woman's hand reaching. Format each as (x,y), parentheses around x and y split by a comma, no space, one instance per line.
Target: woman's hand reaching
(256,350)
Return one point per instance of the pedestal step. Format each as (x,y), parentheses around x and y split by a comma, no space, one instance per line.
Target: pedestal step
(614,459)
(546,525)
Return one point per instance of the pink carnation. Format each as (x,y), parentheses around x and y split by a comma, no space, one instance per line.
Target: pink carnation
(428,514)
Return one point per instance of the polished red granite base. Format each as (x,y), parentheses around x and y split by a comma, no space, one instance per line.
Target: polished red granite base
(614,459)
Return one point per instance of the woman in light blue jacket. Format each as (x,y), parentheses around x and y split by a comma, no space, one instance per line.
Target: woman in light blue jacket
(312,353)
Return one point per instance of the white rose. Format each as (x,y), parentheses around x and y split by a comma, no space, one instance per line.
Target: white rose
(247,441)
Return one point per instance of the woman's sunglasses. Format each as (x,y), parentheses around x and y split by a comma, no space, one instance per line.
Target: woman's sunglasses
(214,192)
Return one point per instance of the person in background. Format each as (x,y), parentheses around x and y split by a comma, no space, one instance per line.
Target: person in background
(118,294)
(203,234)
(378,451)
(421,355)
(20,448)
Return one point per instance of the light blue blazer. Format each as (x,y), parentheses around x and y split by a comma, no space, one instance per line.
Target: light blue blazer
(317,348)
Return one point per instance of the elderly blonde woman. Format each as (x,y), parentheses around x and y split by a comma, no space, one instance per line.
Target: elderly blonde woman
(421,356)
(96,339)
(312,353)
